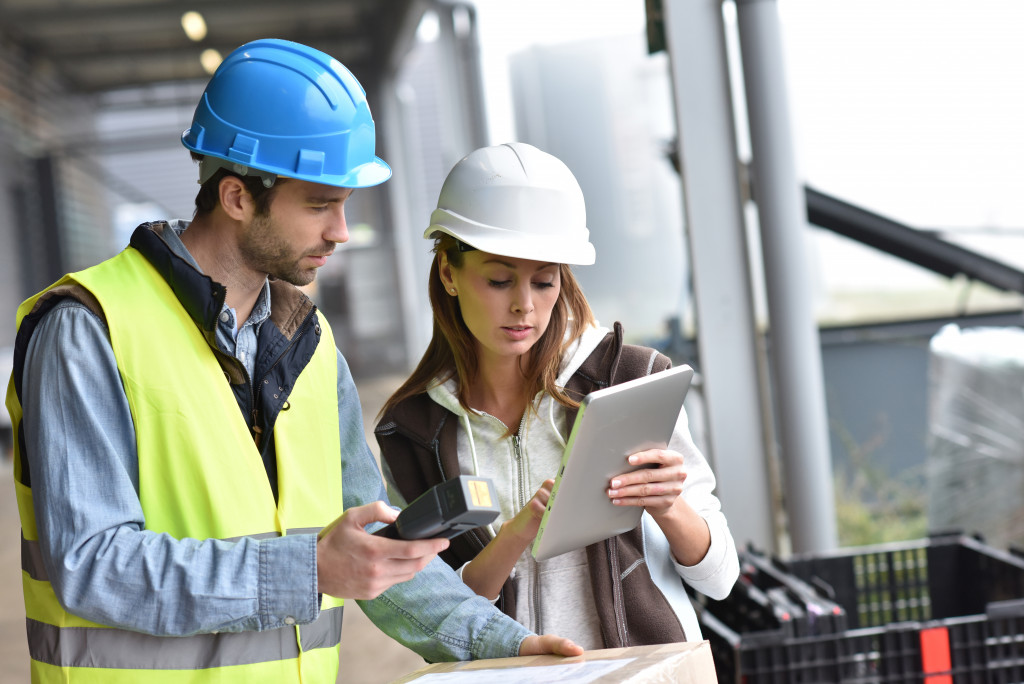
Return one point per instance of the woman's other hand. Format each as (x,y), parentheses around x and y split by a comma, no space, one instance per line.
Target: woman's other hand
(658,489)
(654,487)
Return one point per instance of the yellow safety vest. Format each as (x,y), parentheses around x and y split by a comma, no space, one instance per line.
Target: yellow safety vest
(200,476)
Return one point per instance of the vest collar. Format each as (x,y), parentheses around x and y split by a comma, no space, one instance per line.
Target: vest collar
(200,295)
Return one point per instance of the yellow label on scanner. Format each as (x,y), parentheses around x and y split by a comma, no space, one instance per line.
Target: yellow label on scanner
(480,493)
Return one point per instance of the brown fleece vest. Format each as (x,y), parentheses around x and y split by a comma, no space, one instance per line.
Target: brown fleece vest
(418,441)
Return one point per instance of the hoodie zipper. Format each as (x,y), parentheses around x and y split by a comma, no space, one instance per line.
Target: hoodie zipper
(517,449)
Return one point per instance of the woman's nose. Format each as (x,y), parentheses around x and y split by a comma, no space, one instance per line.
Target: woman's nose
(523,302)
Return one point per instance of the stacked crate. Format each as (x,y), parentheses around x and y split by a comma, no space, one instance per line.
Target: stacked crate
(943,610)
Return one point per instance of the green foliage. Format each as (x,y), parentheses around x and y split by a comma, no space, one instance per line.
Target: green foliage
(874,506)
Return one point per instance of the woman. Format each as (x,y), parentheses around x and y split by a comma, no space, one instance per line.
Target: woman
(515,347)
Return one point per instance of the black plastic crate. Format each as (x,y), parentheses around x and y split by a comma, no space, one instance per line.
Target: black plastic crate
(941,577)
(944,610)
(767,608)
(768,597)
(811,601)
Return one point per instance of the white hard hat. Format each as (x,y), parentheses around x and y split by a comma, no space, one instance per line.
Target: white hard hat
(517,201)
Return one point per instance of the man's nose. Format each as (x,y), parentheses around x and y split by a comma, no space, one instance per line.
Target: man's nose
(337,231)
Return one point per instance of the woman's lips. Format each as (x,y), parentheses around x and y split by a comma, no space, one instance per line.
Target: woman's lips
(517,332)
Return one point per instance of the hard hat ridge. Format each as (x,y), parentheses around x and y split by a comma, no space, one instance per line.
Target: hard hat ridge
(282,108)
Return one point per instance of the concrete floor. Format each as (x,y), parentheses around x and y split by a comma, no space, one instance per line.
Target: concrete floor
(368,656)
(13,647)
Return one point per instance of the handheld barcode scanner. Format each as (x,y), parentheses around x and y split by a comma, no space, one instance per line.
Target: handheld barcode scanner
(446,510)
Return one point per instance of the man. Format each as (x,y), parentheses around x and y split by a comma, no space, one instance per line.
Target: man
(180,411)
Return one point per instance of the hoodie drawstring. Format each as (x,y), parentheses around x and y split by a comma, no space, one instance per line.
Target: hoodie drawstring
(476,464)
(551,420)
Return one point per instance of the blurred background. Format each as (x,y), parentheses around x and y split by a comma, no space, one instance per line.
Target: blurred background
(815,203)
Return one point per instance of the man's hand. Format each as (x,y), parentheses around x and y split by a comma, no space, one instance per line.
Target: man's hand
(352,563)
(548,644)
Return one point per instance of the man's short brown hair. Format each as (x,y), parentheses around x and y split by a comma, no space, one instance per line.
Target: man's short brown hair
(208,196)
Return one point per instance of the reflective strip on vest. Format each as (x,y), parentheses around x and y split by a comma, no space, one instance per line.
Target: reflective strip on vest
(32,560)
(125,650)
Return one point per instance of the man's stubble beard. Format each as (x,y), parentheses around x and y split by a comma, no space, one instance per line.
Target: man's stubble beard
(266,251)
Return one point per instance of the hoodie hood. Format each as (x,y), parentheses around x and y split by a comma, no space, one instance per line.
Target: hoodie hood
(579,351)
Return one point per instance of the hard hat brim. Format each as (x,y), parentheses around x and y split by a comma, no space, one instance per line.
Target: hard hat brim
(365,175)
(515,244)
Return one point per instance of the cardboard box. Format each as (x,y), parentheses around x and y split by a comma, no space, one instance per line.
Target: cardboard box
(681,663)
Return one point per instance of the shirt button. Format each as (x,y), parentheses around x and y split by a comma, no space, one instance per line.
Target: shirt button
(289,620)
(224,316)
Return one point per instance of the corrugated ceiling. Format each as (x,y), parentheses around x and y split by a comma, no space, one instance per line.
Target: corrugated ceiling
(95,46)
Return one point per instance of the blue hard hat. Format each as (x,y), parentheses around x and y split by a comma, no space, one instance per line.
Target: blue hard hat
(283,108)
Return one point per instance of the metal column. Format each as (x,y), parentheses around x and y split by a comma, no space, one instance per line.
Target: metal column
(795,347)
(727,336)
(456,128)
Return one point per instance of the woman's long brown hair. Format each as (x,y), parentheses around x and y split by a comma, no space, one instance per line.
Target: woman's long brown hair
(452,349)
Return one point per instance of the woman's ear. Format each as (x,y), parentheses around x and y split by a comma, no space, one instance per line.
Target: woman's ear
(444,271)
(234,197)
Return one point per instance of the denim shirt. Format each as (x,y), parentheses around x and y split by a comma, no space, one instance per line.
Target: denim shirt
(107,567)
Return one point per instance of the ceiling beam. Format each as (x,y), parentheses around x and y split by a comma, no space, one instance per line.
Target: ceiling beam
(93,49)
(37,15)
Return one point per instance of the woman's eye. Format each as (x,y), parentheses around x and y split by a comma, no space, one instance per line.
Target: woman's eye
(499,283)
(543,286)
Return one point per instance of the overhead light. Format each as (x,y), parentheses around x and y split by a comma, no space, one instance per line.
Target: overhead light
(210,59)
(429,28)
(194,25)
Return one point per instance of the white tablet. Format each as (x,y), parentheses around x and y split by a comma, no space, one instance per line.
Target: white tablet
(612,423)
